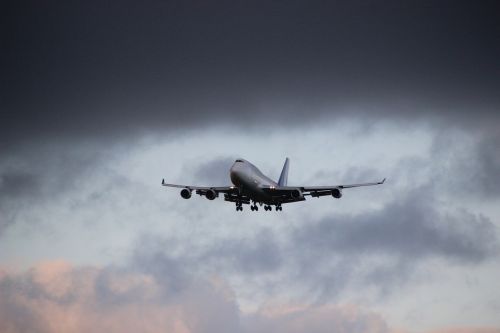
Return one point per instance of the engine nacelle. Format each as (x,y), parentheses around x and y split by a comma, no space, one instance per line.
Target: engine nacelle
(211,194)
(337,193)
(186,193)
(296,194)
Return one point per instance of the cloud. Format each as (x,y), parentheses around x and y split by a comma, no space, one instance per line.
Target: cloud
(167,66)
(471,168)
(380,247)
(33,177)
(467,330)
(62,298)
(260,253)
(214,171)
(16,188)
(57,297)
(328,318)
(319,259)
(82,83)
(385,247)
(410,227)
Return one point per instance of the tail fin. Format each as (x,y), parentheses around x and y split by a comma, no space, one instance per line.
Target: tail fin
(284,174)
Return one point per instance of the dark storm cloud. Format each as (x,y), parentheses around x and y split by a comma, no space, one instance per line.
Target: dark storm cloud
(85,68)
(16,189)
(17,184)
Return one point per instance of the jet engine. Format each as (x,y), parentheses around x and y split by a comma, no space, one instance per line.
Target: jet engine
(186,193)
(337,193)
(211,194)
(296,194)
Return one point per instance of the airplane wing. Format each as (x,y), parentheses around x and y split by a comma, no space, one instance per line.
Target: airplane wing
(323,188)
(231,193)
(296,193)
(223,189)
(219,189)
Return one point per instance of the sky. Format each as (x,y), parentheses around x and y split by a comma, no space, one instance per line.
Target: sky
(101,100)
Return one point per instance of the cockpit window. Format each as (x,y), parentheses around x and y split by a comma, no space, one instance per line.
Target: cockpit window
(239,161)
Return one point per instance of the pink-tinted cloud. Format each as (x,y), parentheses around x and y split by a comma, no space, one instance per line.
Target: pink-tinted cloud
(54,297)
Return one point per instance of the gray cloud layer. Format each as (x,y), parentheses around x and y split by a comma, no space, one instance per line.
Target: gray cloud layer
(382,248)
(410,227)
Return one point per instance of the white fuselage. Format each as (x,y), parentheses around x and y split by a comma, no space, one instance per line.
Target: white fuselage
(249,179)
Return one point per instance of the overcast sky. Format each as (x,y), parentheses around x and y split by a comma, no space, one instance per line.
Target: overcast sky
(99,101)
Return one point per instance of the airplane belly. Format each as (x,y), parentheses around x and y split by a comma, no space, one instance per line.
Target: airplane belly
(252,190)
(258,195)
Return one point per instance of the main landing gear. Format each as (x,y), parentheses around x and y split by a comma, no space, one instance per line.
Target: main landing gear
(269,207)
(254,207)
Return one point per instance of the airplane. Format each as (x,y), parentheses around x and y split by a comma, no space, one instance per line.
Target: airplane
(251,186)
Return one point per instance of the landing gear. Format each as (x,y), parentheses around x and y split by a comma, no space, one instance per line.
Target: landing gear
(254,207)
